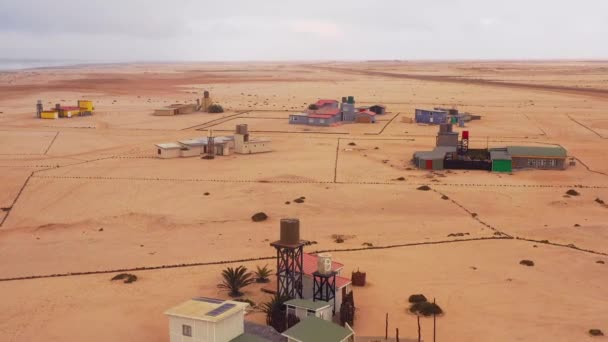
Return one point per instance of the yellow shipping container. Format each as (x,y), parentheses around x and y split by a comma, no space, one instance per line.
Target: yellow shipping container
(86,105)
(49,114)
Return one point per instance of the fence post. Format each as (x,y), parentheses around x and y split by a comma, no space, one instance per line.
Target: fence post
(386,328)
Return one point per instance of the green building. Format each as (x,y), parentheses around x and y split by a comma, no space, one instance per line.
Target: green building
(501,160)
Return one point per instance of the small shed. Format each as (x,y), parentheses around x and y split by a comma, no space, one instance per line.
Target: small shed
(49,114)
(314,329)
(378,109)
(303,308)
(365,117)
(168,150)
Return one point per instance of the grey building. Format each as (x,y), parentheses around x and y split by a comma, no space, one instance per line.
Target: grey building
(446,137)
(432,117)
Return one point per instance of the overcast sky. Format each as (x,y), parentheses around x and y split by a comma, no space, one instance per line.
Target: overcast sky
(127,30)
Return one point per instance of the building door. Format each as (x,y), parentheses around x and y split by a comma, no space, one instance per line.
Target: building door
(429,164)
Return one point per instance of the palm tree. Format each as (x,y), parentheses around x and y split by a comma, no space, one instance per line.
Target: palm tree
(234,279)
(275,312)
(262,274)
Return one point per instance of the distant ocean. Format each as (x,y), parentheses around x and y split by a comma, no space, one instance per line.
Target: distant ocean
(23,64)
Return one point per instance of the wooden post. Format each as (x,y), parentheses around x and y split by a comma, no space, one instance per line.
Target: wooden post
(434,323)
(397,336)
(386,328)
(418,317)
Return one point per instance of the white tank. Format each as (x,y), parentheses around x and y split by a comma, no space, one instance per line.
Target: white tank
(324,263)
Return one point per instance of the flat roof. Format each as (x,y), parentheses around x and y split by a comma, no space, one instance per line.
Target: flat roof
(169,146)
(500,155)
(308,304)
(202,309)
(537,151)
(314,329)
(194,142)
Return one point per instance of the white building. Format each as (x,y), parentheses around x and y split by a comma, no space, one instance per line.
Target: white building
(168,150)
(245,145)
(207,320)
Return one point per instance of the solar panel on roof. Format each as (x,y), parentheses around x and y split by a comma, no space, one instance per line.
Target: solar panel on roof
(220,309)
(209,300)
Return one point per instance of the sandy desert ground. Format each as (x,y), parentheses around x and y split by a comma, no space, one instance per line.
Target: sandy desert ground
(82,198)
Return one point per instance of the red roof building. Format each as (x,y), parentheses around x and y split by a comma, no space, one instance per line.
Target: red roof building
(310,266)
(323,103)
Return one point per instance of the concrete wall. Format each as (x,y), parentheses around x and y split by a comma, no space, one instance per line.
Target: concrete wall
(295,119)
(538,163)
(168,153)
(447,139)
(249,147)
(192,151)
(202,331)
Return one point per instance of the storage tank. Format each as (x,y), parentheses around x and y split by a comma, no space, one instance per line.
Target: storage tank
(351,99)
(324,263)
(242,129)
(290,231)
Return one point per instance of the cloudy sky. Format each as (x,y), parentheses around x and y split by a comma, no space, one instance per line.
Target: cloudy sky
(154,30)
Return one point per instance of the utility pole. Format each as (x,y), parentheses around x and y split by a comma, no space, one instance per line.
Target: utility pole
(419,337)
(434,323)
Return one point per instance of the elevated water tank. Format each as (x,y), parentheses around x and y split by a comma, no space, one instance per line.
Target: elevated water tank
(324,263)
(242,129)
(290,231)
(351,99)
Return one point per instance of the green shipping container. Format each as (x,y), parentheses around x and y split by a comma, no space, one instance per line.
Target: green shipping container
(454,119)
(499,165)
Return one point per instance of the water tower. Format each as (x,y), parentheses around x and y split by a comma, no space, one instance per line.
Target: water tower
(290,259)
(324,280)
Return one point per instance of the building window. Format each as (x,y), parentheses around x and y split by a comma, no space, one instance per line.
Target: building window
(311,121)
(322,121)
(186,330)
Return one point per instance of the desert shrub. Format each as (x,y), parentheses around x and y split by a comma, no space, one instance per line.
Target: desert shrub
(600,262)
(352,144)
(215,108)
(572,192)
(401,178)
(339,240)
(234,279)
(444,197)
(600,201)
(368,244)
(262,274)
(417,298)
(527,262)
(595,332)
(426,309)
(299,200)
(424,188)
(259,217)
(313,107)
(127,278)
